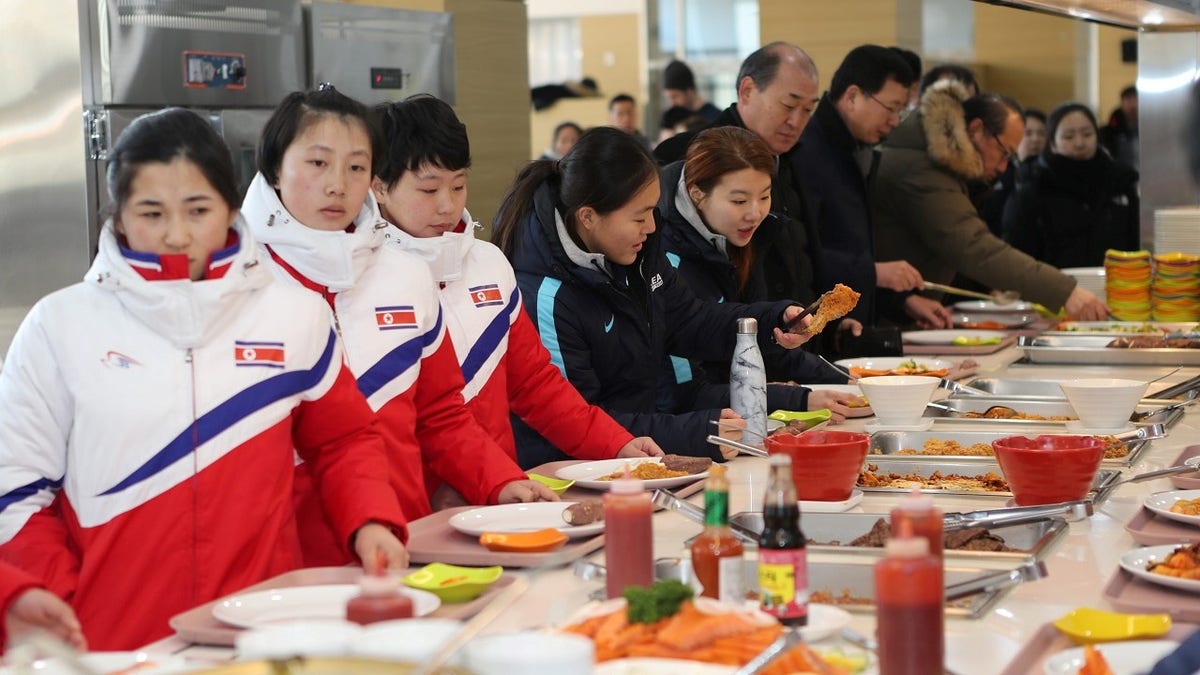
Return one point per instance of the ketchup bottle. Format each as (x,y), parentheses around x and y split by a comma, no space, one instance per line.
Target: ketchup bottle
(924,519)
(628,538)
(379,599)
(716,553)
(909,601)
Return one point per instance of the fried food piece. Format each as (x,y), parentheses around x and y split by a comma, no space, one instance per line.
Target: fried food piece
(584,513)
(1188,507)
(988,482)
(835,304)
(684,463)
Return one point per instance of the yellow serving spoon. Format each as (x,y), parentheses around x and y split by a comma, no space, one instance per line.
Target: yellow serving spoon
(1085,625)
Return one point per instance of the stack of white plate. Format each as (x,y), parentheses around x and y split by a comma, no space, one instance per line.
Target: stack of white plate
(1177,230)
(1088,278)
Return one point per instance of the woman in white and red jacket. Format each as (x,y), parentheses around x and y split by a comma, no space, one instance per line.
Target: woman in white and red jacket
(150,415)
(421,187)
(310,208)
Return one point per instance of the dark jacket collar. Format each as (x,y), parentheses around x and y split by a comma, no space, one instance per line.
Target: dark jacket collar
(678,234)
(831,122)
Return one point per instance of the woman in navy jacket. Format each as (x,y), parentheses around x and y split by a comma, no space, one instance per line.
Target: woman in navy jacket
(716,230)
(581,234)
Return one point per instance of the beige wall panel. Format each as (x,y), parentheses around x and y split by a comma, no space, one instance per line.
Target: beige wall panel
(828,30)
(612,54)
(1114,75)
(586,112)
(419,5)
(1029,56)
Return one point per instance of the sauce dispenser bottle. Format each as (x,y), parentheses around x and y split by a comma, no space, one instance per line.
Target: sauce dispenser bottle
(925,520)
(379,598)
(782,549)
(716,553)
(909,602)
(628,537)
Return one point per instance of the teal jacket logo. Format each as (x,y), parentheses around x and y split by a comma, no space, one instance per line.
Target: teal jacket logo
(608,326)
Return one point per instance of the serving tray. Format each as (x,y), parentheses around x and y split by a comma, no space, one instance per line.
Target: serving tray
(1048,641)
(1127,593)
(925,466)
(431,539)
(1093,350)
(1187,481)
(1150,529)
(888,444)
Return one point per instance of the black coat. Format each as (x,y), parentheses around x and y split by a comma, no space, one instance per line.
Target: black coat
(1069,212)
(610,332)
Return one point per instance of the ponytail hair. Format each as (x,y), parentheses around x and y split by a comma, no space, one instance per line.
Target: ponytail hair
(604,170)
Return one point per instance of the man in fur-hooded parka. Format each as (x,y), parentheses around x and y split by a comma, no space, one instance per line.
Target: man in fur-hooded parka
(922,203)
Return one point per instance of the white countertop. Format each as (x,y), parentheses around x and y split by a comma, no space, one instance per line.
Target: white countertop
(1079,565)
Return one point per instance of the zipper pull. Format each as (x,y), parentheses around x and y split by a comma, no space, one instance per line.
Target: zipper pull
(188,357)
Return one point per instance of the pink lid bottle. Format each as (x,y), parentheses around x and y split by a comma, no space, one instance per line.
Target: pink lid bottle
(925,519)
(628,536)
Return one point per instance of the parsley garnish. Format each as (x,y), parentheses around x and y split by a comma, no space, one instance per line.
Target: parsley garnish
(660,600)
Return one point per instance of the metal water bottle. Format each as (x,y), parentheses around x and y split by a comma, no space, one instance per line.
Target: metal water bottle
(748,380)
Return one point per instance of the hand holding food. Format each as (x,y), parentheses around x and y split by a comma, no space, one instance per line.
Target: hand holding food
(834,304)
(838,403)
(525,491)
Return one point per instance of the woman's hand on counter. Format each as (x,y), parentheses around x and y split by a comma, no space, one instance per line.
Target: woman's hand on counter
(642,446)
(525,491)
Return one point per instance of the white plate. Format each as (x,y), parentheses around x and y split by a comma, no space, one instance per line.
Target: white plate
(1006,319)
(262,608)
(1135,562)
(947,337)
(521,518)
(588,474)
(892,362)
(924,425)
(1124,658)
(989,306)
(653,666)
(846,389)
(1161,503)
(824,620)
(107,662)
(1077,427)
(856,497)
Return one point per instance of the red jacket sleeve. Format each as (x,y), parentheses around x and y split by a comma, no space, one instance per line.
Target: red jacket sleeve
(335,434)
(544,399)
(44,545)
(453,445)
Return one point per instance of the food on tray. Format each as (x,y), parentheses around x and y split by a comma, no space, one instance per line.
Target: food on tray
(1184,563)
(1151,342)
(999,412)
(835,304)
(1188,507)
(846,598)
(968,341)
(691,465)
(967,539)
(1072,327)
(1114,448)
(646,471)
(987,482)
(538,541)
(985,325)
(584,513)
(909,367)
(1094,663)
(664,621)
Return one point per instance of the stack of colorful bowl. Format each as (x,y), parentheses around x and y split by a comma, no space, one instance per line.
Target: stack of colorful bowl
(1127,283)
(1176,287)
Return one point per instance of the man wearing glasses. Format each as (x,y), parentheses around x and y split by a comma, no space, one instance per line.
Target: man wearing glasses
(932,168)
(834,162)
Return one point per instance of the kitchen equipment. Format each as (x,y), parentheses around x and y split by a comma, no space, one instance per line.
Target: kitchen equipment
(1094,350)
(668,500)
(892,443)
(1138,416)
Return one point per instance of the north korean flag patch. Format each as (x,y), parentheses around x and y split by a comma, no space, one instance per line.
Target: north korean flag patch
(486,295)
(258,354)
(395,318)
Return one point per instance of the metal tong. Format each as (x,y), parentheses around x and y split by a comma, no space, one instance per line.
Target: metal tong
(669,500)
(1030,571)
(742,447)
(1189,465)
(1019,515)
(960,388)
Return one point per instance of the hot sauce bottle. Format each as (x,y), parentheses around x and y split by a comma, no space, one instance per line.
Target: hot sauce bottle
(782,549)
(909,599)
(716,553)
(923,517)
(379,598)
(628,538)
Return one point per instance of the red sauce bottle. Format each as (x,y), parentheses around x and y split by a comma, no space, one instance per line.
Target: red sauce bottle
(628,537)
(379,599)
(924,519)
(716,553)
(909,602)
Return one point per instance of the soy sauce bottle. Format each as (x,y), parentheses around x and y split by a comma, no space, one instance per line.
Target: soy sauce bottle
(782,549)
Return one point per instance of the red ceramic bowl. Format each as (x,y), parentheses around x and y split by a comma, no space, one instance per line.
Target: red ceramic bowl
(825,464)
(1049,469)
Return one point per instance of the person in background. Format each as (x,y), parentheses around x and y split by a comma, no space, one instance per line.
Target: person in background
(950,71)
(421,187)
(150,416)
(677,120)
(311,208)
(914,90)
(28,609)
(1076,202)
(1032,144)
(835,161)
(622,114)
(545,95)
(679,90)
(1120,135)
(932,168)
(581,235)
(564,136)
(777,93)
(714,205)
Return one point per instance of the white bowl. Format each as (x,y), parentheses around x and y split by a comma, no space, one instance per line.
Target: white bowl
(1104,402)
(531,652)
(407,640)
(287,639)
(898,399)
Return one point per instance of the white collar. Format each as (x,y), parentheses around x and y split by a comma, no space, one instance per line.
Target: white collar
(445,255)
(683,204)
(574,253)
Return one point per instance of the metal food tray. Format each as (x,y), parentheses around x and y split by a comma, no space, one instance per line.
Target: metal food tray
(925,466)
(1084,349)
(1120,328)
(1029,539)
(978,404)
(1019,389)
(887,445)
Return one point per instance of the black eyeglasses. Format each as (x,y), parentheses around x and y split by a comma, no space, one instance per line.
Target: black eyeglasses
(1010,155)
(892,112)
